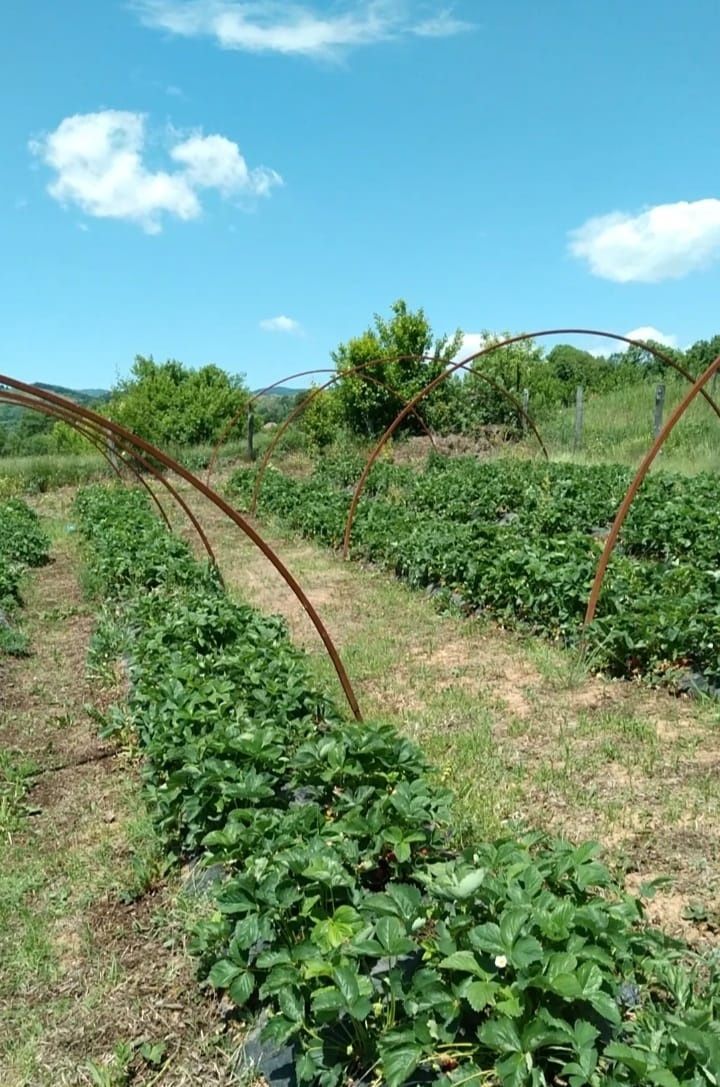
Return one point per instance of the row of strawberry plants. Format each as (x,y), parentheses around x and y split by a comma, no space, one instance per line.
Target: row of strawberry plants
(377,949)
(519,542)
(23,544)
(674,517)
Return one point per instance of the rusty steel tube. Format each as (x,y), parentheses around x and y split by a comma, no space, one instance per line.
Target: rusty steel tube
(157,454)
(300,408)
(635,487)
(94,436)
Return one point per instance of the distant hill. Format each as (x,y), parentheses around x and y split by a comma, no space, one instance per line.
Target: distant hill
(281,390)
(80,396)
(9,414)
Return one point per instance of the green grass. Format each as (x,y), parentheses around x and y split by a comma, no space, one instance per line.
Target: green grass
(619,428)
(37,474)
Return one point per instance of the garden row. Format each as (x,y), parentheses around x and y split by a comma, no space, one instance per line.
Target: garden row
(520,541)
(23,543)
(374,947)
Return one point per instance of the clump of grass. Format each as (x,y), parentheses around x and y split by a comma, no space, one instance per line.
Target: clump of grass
(618,427)
(45,472)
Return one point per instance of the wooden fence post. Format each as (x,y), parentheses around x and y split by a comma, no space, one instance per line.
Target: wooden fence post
(659,410)
(526,409)
(251,436)
(579,418)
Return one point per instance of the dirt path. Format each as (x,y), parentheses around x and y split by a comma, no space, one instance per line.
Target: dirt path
(95,984)
(524,732)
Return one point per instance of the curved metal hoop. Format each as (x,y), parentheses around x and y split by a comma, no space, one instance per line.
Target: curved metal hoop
(338,376)
(522,337)
(138,443)
(299,409)
(144,463)
(635,485)
(93,436)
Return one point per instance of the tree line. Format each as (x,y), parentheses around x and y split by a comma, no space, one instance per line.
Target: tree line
(379,371)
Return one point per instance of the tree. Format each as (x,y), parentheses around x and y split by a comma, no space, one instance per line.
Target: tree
(396,346)
(322,418)
(701,354)
(648,364)
(515,367)
(171,404)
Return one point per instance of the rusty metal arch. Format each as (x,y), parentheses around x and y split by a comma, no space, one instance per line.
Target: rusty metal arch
(262,467)
(520,338)
(144,463)
(93,436)
(635,485)
(138,443)
(300,408)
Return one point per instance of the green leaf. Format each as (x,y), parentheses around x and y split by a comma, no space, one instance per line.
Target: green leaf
(391,934)
(223,973)
(241,988)
(399,1063)
(328,999)
(634,1059)
(565,985)
(511,924)
(480,994)
(306,1069)
(604,1005)
(487,938)
(525,951)
(279,1029)
(291,1004)
(513,1070)
(407,899)
(247,931)
(346,980)
(465,961)
(470,883)
(338,929)
(500,1035)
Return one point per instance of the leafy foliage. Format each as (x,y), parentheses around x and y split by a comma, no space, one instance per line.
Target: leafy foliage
(397,346)
(170,404)
(23,543)
(345,910)
(521,541)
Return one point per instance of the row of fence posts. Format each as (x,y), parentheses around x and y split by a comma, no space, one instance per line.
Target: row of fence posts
(658,412)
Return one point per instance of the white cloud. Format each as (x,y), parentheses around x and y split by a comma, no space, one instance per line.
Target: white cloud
(472,342)
(214,162)
(647,332)
(98,159)
(608,346)
(269,26)
(281,324)
(662,242)
(442,25)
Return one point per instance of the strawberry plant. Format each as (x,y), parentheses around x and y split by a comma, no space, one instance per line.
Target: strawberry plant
(520,541)
(23,543)
(377,950)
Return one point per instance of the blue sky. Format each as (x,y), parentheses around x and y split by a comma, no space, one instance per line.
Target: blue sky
(246,183)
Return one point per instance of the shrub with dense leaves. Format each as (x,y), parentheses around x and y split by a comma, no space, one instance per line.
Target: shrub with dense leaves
(378,950)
